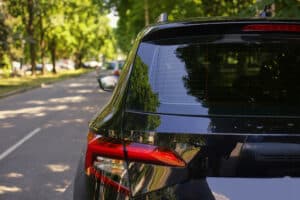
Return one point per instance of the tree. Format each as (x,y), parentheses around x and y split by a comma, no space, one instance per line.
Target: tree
(47,9)
(59,29)
(29,21)
(134,14)
(26,11)
(280,8)
(4,34)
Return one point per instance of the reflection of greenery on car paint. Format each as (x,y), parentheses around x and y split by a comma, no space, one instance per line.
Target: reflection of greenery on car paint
(161,174)
(142,97)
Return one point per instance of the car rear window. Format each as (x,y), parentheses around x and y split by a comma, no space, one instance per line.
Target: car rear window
(247,74)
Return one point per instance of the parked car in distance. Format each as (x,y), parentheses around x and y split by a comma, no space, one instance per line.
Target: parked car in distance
(48,67)
(16,65)
(203,109)
(113,67)
(39,67)
(67,64)
(91,64)
(112,70)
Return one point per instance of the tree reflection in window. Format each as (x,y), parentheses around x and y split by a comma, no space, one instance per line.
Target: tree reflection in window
(141,97)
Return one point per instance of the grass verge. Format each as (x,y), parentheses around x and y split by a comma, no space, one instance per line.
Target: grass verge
(15,84)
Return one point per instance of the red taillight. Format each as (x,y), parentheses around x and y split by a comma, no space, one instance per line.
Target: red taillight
(153,154)
(101,146)
(113,148)
(107,181)
(104,160)
(103,152)
(272,27)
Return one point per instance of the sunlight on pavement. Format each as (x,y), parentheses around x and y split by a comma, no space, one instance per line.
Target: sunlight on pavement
(43,85)
(35,102)
(5,189)
(73,121)
(58,167)
(7,125)
(63,122)
(76,85)
(62,188)
(42,114)
(71,99)
(34,111)
(14,175)
(81,91)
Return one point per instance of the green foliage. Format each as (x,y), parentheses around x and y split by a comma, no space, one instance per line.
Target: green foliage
(142,97)
(132,13)
(4,32)
(75,29)
(5,65)
(281,8)
(89,30)
(78,29)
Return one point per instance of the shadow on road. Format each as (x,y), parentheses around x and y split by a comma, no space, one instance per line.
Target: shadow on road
(44,166)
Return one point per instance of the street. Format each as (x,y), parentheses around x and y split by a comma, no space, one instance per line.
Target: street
(42,133)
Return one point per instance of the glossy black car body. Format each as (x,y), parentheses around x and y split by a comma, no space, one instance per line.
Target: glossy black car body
(202,110)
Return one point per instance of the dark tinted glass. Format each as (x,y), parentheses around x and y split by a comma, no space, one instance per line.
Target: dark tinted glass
(221,74)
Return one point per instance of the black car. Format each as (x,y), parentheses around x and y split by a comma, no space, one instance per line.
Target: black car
(202,110)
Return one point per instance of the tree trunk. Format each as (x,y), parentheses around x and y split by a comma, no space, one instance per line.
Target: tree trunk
(146,8)
(30,32)
(53,54)
(78,62)
(42,44)
(43,56)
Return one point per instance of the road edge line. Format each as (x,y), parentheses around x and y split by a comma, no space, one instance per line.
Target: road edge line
(19,143)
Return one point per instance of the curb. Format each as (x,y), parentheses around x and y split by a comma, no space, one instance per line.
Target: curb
(18,91)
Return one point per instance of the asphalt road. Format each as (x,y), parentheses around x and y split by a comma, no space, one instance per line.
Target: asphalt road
(42,133)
